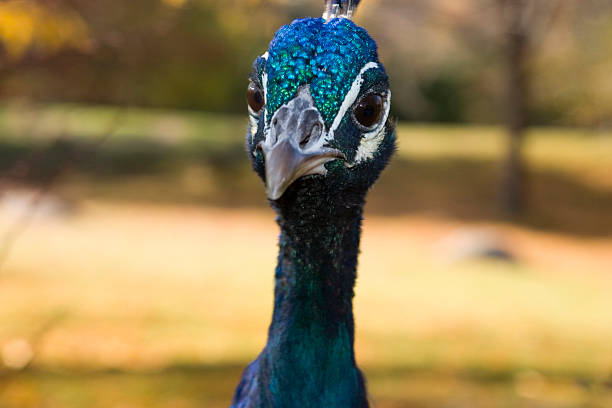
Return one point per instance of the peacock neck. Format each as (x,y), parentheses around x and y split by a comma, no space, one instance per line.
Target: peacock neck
(316,272)
(310,340)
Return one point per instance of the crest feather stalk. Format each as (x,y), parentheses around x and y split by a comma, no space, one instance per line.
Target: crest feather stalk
(340,8)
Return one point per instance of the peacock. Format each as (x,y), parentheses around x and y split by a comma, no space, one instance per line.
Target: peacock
(319,135)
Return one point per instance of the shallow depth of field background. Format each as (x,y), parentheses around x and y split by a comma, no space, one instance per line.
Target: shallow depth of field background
(136,245)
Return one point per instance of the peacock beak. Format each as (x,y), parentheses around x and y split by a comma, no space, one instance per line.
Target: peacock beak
(294,146)
(285,163)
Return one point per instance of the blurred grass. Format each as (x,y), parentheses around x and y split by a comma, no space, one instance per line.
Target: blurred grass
(191,157)
(150,306)
(127,304)
(210,386)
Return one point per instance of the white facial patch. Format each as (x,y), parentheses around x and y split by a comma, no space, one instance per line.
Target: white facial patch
(253,123)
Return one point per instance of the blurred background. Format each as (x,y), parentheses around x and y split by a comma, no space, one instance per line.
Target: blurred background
(137,248)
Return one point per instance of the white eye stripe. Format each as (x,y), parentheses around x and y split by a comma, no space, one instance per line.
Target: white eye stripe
(264,83)
(350,98)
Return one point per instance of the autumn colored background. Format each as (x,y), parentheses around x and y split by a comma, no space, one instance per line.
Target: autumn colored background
(137,248)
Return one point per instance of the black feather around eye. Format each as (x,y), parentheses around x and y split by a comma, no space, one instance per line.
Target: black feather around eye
(255,97)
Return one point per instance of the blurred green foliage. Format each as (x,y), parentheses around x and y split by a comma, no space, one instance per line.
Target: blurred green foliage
(190,157)
(444,57)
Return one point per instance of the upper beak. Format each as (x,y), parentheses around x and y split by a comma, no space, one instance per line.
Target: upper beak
(286,163)
(293,147)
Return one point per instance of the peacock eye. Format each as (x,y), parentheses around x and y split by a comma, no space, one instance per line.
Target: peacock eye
(255,97)
(369,110)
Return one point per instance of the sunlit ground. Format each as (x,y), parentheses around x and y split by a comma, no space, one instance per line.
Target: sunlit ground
(174,300)
(148,282)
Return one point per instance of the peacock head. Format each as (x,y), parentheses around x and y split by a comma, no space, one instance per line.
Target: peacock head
(318,104)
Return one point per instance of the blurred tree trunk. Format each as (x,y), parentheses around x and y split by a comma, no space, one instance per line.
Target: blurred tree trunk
(524,23)
(516,47)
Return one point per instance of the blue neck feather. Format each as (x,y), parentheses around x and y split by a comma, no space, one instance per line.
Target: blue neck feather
(309,360)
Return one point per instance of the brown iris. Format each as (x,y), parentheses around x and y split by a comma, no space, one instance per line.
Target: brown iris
(369,110)
(255,97)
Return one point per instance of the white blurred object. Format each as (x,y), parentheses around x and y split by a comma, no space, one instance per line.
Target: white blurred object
(471,243)
(17,203)
(17,354)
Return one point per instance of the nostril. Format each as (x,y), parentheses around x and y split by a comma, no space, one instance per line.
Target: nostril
(314,134)
(305,141)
